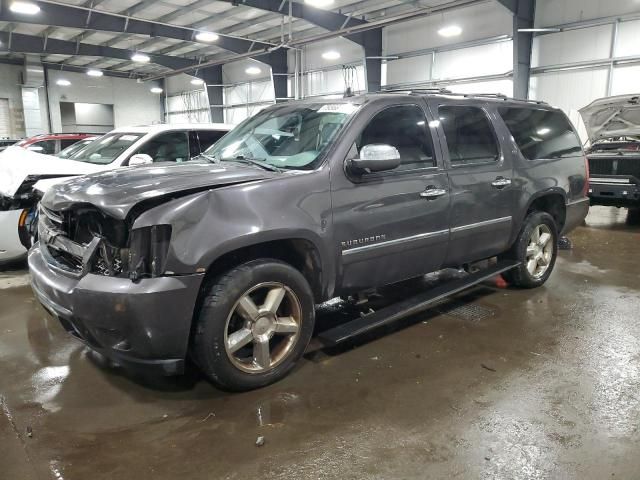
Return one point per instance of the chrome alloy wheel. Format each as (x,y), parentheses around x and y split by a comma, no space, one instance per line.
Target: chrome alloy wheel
(263,327)
(539,251)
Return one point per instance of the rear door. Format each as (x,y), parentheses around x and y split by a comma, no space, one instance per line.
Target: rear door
(480,176)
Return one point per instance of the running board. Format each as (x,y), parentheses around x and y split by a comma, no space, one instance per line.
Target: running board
(411,305)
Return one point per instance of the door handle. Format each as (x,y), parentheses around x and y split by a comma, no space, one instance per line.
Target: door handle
(501,182)
(432,193)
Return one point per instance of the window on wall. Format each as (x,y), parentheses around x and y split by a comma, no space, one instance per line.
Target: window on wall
(469,134)
(403,127)
(541,133)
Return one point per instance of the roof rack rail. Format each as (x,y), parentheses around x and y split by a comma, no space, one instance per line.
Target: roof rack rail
(444,91)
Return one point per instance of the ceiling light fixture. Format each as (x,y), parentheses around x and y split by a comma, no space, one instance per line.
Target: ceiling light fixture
(450,31)
(94,73)
(207,37)
(26,8)
(63,82)
(331,55)
(319,3)
(253,70)
(140,58)
(156,90)
(197,81)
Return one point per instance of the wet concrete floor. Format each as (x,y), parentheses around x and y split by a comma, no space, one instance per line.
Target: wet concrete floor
(527,384)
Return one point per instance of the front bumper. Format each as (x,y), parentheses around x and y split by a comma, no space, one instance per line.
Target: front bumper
(143,325)
(616,191)
(10,246)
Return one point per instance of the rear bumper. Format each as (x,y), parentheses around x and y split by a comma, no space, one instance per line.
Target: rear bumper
(576,213)
(616,191)
(143,325)
(10,246)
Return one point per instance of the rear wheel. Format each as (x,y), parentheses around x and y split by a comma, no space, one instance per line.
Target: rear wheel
(254,325)
(536,248)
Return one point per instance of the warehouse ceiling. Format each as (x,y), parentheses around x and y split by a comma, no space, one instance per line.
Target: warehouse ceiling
(238,25)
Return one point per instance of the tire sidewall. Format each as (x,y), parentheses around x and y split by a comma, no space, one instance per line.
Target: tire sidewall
(221,297)
(532,221)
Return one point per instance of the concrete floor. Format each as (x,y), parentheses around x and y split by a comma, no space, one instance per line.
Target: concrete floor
(545,385)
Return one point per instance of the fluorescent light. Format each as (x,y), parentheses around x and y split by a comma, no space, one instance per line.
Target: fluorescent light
(543,131)
(207,37)
(26,8)
(331,55)
(63,82)
(253,70)
(140,58)
(94,73)
(319,3)
(197,81)
(538,30)
(450,31)
(156,90)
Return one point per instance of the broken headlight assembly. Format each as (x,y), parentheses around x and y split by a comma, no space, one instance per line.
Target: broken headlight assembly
(147,252)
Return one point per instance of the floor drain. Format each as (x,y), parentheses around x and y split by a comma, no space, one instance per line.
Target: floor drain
(466,311)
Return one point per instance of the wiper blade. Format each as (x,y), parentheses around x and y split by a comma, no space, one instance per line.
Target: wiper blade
(257,162)
(211,158)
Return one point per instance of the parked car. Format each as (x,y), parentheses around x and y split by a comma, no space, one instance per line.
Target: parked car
(25,175)
(224,261)
(51,143)
(613,125)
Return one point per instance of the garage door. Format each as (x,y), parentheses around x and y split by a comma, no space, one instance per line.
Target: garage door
(5,128)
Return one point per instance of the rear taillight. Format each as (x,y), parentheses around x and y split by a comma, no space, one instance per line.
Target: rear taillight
(586,180)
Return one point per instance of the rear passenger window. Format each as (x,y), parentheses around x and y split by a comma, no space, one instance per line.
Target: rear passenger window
(541,133)
(403,127)
(469,134)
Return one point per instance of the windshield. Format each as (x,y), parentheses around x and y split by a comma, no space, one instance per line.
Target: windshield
(75,148)
(106,149)
(287,136)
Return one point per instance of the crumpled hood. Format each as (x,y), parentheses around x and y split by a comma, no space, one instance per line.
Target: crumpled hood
(17,163)
(116,192)
(612,117)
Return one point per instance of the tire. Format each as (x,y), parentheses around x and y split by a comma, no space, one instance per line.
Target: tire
(279,313)
(524,276)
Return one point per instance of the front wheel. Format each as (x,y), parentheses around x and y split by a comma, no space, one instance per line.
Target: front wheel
(254,325)
(536,248)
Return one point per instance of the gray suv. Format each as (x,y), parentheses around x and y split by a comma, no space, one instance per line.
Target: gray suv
(224,259)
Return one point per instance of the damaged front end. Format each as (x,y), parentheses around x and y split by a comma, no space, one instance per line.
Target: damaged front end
(85,240)
(25,200)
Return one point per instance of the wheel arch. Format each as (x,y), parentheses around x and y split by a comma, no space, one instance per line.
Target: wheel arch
(552,201)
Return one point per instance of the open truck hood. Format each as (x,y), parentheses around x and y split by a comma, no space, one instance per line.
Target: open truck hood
(16,164)
(116,192)
(612,117)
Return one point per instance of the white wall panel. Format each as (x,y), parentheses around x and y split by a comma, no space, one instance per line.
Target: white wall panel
(332,81)
(573,46)
(10,89)
(628,39)
(349,53)
(481,21)
(557,12)
(235,72)
(408,70)
(505,87)
(626,79)
(490,59)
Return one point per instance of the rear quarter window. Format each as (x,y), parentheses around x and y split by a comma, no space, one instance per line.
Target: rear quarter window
(541,134)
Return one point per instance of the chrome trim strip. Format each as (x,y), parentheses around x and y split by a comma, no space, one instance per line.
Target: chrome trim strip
(485,223)
(620,181)
(397,241)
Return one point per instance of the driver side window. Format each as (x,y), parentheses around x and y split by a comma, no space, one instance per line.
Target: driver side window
(403,127)
(167,147)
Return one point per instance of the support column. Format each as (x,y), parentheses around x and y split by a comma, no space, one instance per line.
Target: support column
(372,45)
(212,77)
(277,60)
(523,17)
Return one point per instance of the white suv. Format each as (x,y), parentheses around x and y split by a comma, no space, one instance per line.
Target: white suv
(25,175)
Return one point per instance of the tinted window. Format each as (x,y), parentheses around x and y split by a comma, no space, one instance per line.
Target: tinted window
(48,147)
(469,135)
(541,133)
(403,127)
(66,143)
(208,138)
(167,147)
(107,148)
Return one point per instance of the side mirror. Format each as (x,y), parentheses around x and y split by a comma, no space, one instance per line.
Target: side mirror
(140,159)
(377,158)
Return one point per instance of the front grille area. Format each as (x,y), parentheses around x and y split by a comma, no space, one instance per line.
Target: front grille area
(618,165)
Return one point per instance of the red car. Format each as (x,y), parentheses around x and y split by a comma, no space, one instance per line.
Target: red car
(52,143)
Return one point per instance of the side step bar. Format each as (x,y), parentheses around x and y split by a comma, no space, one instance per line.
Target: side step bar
(411,305)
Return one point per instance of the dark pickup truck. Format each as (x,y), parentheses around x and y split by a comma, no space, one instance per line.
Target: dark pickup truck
(224,260)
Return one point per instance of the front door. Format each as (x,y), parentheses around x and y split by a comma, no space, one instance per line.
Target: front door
(390,226)
(480,177)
